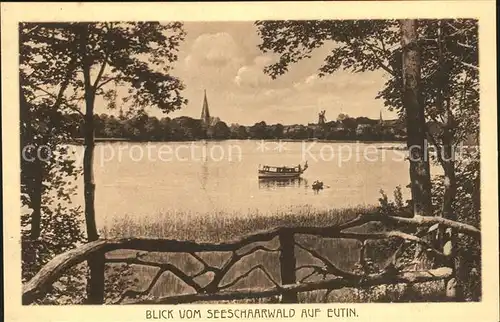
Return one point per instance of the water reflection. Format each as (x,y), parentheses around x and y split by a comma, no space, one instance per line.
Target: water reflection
(204,175)
(204,169)
(282,183)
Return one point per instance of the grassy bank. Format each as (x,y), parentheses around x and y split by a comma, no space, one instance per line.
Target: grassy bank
(218,226)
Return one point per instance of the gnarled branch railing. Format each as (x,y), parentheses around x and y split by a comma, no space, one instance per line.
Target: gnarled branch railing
(288,288)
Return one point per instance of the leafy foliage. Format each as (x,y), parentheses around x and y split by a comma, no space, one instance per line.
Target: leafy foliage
(360,45)
(383,248)
(118,278)
(61,231)
(392,208)
(467,206)
(137,55)
(51,225)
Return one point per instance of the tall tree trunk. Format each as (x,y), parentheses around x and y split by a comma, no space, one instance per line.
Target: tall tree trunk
(420,180)
(95,292)
(448,134)
(34,171)
(445,151)
(415,118)
(450,181)
(450,188)
(35,195)
(447,161)
(34,177)
(36,200)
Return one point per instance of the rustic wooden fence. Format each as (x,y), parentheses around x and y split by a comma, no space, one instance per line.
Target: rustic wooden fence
(288,288)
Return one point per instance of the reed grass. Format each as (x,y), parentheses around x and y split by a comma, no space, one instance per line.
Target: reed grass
(219,225)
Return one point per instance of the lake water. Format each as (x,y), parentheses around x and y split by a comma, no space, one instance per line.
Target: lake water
(148,179)
(155,189)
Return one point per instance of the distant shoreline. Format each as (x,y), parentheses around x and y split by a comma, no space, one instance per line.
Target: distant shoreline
(113,140)
(80,141)
(99,140)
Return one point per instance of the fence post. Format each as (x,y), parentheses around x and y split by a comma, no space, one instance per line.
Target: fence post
(287,264)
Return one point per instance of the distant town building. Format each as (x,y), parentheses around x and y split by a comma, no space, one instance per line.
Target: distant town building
(363,129)
(313,126)
(338,127)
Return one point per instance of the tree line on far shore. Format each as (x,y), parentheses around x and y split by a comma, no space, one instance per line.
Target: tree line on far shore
(143,127)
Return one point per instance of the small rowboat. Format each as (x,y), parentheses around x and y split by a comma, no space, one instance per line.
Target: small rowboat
(273,172)
(317,185)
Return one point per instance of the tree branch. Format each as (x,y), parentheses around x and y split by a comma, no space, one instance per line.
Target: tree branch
(75,109)
(377,58)
(469,65)
(416,220)
(316,270)
(103,66)
(330,284)
(465,45)
(459,31)
(135,294)
(27,32)
(434,142)
(206,268)
(188,280)
(246,274)
(431,220)
(101,72)
(106,82)
(257,248)
(59,98)
(235,257)
(330,268)
(393,234)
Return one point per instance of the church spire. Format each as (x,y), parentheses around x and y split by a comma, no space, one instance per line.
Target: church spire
(381,120)
(205,114)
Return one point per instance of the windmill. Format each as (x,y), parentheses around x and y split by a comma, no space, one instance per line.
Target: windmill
(321,117)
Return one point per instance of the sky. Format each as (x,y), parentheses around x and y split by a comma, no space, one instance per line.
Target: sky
(223,59)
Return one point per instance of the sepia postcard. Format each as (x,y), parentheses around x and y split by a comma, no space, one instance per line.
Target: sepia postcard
(250,161)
